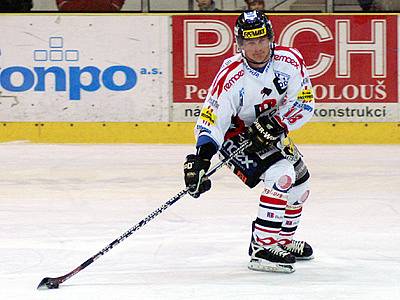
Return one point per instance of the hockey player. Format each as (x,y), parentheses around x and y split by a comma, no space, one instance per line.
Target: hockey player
(260,95)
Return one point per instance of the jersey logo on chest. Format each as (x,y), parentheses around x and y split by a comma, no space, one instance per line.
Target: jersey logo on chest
(281,81)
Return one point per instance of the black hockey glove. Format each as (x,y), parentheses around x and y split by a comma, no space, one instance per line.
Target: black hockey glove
(195,168)
(265,131)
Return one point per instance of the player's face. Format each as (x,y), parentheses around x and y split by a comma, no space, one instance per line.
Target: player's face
(257,50)
(256,6)
(204,3)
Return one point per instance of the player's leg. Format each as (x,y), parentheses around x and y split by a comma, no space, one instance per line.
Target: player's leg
(296,197)
(265,251)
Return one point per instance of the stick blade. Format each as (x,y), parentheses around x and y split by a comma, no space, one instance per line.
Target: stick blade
(48,283)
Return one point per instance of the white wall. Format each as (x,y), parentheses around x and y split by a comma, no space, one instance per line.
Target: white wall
(44,5)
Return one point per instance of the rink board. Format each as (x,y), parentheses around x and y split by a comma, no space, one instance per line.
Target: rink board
(182,133)
(79,78)
(84,68)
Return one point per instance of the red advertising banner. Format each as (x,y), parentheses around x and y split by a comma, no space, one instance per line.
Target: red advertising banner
(352,59)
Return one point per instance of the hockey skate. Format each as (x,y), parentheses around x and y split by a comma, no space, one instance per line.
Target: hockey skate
(300,249)
(272,259)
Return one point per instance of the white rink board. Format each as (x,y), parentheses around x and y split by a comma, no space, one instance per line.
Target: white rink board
(116,53)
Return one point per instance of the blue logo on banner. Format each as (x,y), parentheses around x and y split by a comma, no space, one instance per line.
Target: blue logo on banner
(70,79)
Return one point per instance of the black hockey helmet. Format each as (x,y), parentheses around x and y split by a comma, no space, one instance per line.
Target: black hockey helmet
(253,24)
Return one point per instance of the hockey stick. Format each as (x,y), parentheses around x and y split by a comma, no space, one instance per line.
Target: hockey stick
(53,283)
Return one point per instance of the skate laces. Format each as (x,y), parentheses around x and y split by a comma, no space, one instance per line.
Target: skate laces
(277,250)
(295,246)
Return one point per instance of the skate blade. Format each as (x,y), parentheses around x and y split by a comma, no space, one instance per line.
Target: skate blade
(305,258)
(262,266)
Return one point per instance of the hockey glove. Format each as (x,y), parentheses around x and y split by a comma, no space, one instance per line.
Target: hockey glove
(265,131)
(195,168)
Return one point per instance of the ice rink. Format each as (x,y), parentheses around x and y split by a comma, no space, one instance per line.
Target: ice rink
(61,204)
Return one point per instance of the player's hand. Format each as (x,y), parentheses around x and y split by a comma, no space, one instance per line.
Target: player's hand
(265,131)
(194,169)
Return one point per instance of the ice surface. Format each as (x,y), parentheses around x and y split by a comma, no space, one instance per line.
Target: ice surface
(61,204)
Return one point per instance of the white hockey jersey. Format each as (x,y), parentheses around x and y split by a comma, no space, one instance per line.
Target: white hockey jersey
(241,93)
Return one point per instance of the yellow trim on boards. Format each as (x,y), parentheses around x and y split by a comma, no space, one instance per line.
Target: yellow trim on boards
(182,133)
